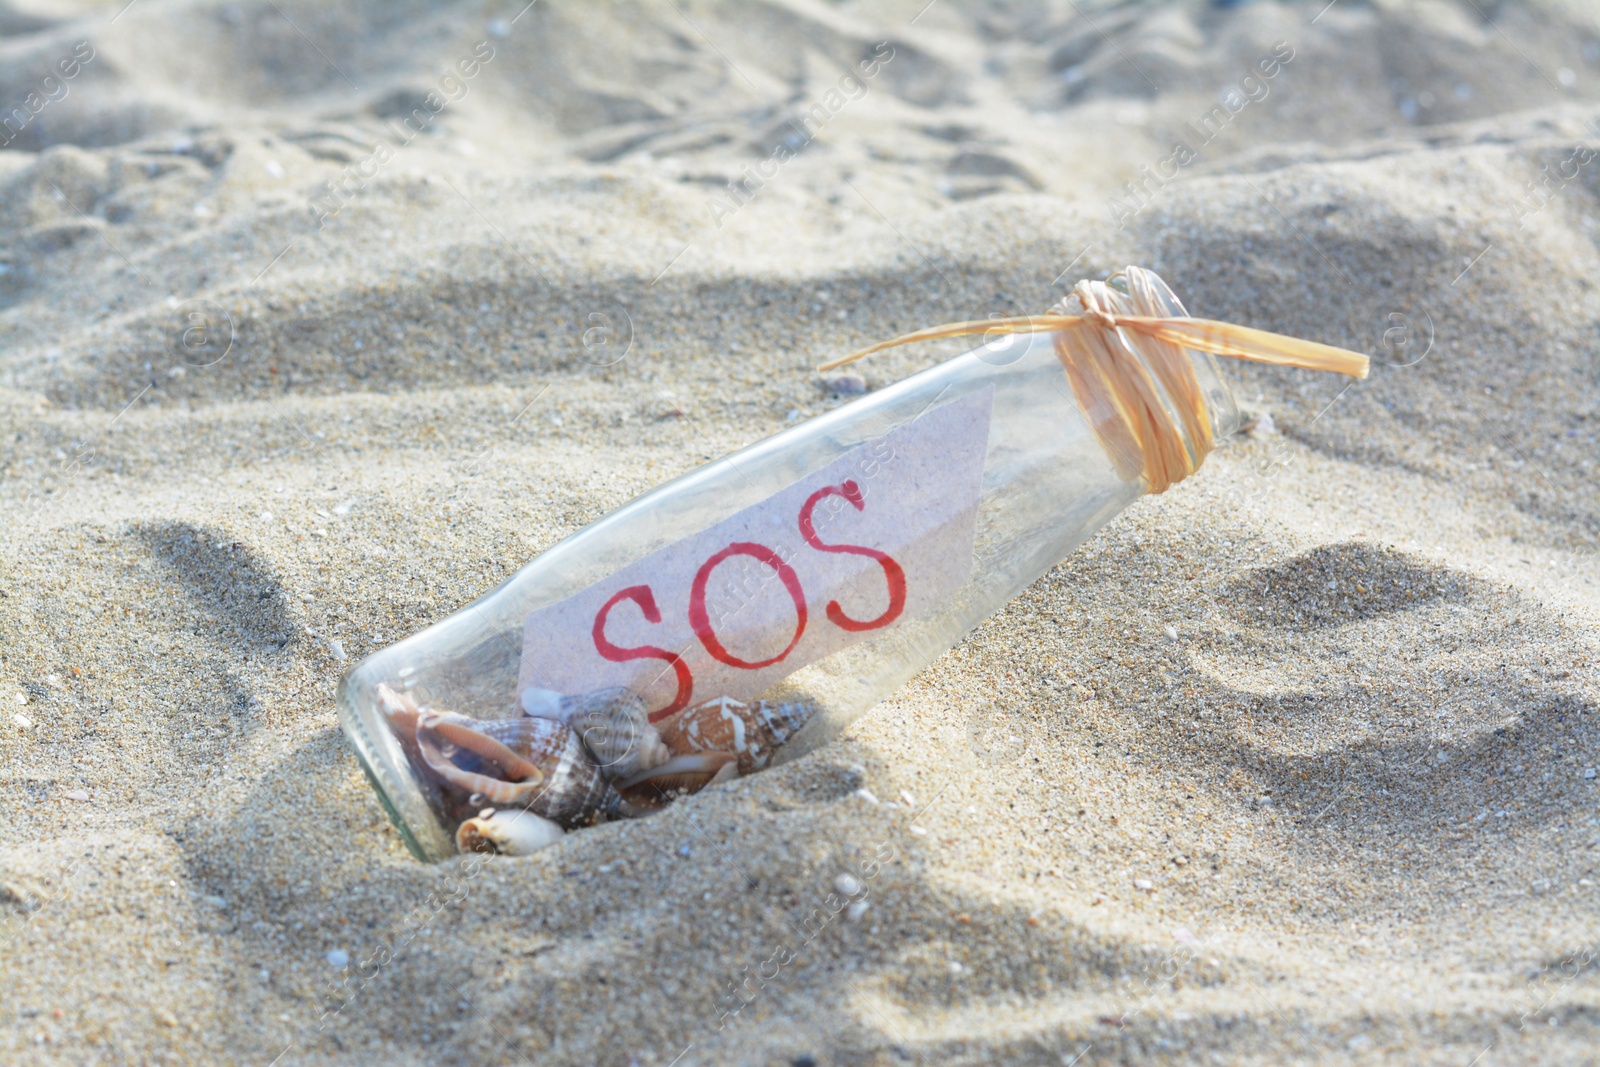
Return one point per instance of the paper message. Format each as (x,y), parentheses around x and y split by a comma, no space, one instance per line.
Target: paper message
(877,537)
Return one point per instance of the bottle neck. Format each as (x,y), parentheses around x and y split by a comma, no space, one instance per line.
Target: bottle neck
(1220,402)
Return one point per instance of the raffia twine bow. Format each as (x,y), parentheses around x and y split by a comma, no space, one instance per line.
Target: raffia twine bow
(1126,351)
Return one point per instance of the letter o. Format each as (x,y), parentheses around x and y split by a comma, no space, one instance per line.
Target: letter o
(700,620)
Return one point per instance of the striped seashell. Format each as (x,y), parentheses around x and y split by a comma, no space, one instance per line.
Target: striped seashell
(751,732)
(612,723)
(537,764)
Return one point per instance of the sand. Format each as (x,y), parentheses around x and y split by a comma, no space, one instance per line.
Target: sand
(1293,764)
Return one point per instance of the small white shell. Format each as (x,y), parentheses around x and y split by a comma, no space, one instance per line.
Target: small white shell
(509,832)
(677,777)
(541,703)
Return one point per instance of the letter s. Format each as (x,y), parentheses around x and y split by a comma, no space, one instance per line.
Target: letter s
(1283,50)
(484,51)
(892,571)
(84,51)
(641,595)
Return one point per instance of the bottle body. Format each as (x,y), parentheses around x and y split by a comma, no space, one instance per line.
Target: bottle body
(980,474)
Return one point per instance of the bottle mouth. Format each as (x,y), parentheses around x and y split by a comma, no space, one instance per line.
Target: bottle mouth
(1157,405)
(1220,403)
(1142,371)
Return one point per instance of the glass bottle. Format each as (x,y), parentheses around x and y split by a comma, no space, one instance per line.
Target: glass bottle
(972,479)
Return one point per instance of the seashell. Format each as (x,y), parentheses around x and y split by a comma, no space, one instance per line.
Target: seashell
(402,712)
(678,776)
(752,732)
(573,759)
(509,833)
(537,764)
(845,383)
(612,723)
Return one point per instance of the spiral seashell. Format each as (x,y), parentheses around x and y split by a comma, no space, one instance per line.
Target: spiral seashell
(400,708)
(751,732)
(532,763)
(612,723)
(509,833)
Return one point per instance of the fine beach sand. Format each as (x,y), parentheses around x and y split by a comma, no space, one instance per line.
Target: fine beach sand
(1292,764)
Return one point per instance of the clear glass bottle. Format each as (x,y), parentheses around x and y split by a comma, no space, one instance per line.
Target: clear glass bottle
(1003,425)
